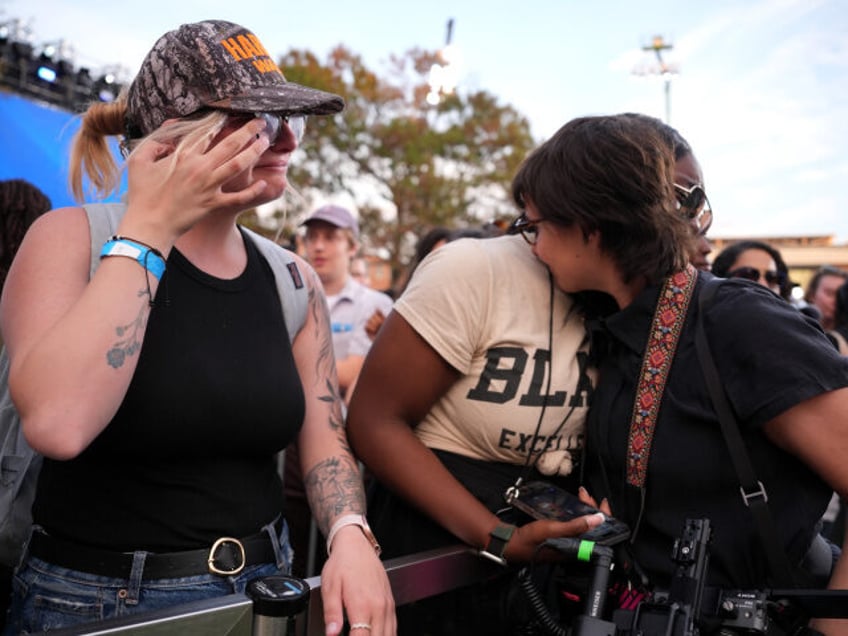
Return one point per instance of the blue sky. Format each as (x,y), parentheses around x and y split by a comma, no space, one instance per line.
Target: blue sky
(761,91)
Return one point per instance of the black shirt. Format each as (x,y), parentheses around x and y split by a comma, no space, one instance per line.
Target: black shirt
(190,454)
(770,358)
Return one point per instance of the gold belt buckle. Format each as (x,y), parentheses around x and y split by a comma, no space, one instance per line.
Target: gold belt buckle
(214,569)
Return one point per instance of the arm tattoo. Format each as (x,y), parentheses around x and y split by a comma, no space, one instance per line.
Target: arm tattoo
(326,361)
(130,336)
(334,487)
(325,365)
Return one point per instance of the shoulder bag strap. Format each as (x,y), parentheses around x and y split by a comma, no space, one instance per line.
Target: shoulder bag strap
(294,295)
(753,492)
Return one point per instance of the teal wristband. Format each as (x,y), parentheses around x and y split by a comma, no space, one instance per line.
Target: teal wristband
(148,257)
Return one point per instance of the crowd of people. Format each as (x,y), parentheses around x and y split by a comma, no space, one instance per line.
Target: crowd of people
(166,367)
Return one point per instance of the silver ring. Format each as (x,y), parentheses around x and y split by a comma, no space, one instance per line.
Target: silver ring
(360,626)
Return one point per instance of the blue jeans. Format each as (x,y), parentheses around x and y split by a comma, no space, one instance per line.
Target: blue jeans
(47,596)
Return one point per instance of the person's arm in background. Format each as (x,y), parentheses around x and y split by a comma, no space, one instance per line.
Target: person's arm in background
(348,370)
(401,379)
(373,324)
(350,367)
(816,430)
(353,577)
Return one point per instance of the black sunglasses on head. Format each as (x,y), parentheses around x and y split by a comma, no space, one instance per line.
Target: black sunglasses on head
(695,205)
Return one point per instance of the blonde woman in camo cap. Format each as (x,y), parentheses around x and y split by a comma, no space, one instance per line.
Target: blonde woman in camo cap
(160,390)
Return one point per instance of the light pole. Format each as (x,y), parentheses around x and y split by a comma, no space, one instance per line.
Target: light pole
(658,45)
(443,77)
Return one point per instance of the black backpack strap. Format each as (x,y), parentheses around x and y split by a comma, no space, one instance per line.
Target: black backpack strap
(753,492)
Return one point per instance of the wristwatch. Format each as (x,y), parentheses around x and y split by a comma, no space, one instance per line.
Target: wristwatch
(352,520)
(498,538)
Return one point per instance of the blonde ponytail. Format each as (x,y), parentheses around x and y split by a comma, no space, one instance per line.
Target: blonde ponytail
(91,155)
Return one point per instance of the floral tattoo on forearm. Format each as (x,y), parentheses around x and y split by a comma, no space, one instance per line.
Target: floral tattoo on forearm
(130,336)
(334,487)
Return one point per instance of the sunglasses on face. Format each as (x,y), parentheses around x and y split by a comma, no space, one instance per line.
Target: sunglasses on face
(528,229)
(695,206)
(274,123)
(772,277)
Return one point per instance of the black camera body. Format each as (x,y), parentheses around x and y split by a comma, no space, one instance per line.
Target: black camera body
(687,608)
(680,610)
(688,605)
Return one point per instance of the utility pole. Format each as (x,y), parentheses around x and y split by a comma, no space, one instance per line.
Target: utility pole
(665,70)
(443,77)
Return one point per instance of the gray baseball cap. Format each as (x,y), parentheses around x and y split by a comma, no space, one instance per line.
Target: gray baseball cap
(335,215)
(215,64)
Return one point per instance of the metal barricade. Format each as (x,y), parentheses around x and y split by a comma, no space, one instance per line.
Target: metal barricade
(412,578)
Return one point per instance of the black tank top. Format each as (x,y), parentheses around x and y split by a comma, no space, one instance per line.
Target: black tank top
(190,454)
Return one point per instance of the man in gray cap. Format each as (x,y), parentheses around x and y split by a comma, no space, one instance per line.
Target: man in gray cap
(332,241)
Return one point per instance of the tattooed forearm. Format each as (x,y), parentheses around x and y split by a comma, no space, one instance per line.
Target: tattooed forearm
(334,487)
(334,398)
(326,360)
(325,364)
(130,336)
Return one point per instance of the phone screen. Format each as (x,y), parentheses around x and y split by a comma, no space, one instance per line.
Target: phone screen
(546,501)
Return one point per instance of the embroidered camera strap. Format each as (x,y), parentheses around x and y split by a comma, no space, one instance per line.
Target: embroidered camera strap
(667,324)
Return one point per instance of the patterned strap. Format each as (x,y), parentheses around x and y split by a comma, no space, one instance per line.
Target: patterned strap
(659,354)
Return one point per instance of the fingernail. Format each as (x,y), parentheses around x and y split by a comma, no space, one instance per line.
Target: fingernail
(597,519)
(581,489)
(332,629)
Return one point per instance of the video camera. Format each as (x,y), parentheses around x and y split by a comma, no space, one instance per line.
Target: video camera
(688,607)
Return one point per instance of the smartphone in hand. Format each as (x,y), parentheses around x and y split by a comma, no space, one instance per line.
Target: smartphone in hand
(542,500)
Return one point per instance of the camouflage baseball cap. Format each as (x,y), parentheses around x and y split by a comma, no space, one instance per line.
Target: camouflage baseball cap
(215,64)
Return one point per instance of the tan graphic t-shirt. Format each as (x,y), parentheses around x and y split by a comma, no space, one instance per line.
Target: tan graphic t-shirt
(485,306)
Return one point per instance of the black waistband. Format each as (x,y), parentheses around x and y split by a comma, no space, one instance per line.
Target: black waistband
(225,557)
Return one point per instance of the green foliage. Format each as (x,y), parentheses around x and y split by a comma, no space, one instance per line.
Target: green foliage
(408,165)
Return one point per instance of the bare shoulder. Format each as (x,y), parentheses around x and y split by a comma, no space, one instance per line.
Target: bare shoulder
(49,270)
(70,223)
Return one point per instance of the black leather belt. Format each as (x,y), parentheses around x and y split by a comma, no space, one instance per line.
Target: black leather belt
(226,557)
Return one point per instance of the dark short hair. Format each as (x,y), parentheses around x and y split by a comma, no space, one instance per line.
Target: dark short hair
(672,138)
(614,175)
(21,202)
(723,263)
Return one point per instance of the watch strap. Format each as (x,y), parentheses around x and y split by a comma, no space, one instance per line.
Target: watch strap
(352,520)
(498,539)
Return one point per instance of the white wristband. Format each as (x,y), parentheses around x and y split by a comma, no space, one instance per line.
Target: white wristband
(352,520)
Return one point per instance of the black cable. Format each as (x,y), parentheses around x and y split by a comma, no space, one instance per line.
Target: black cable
(540,610)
